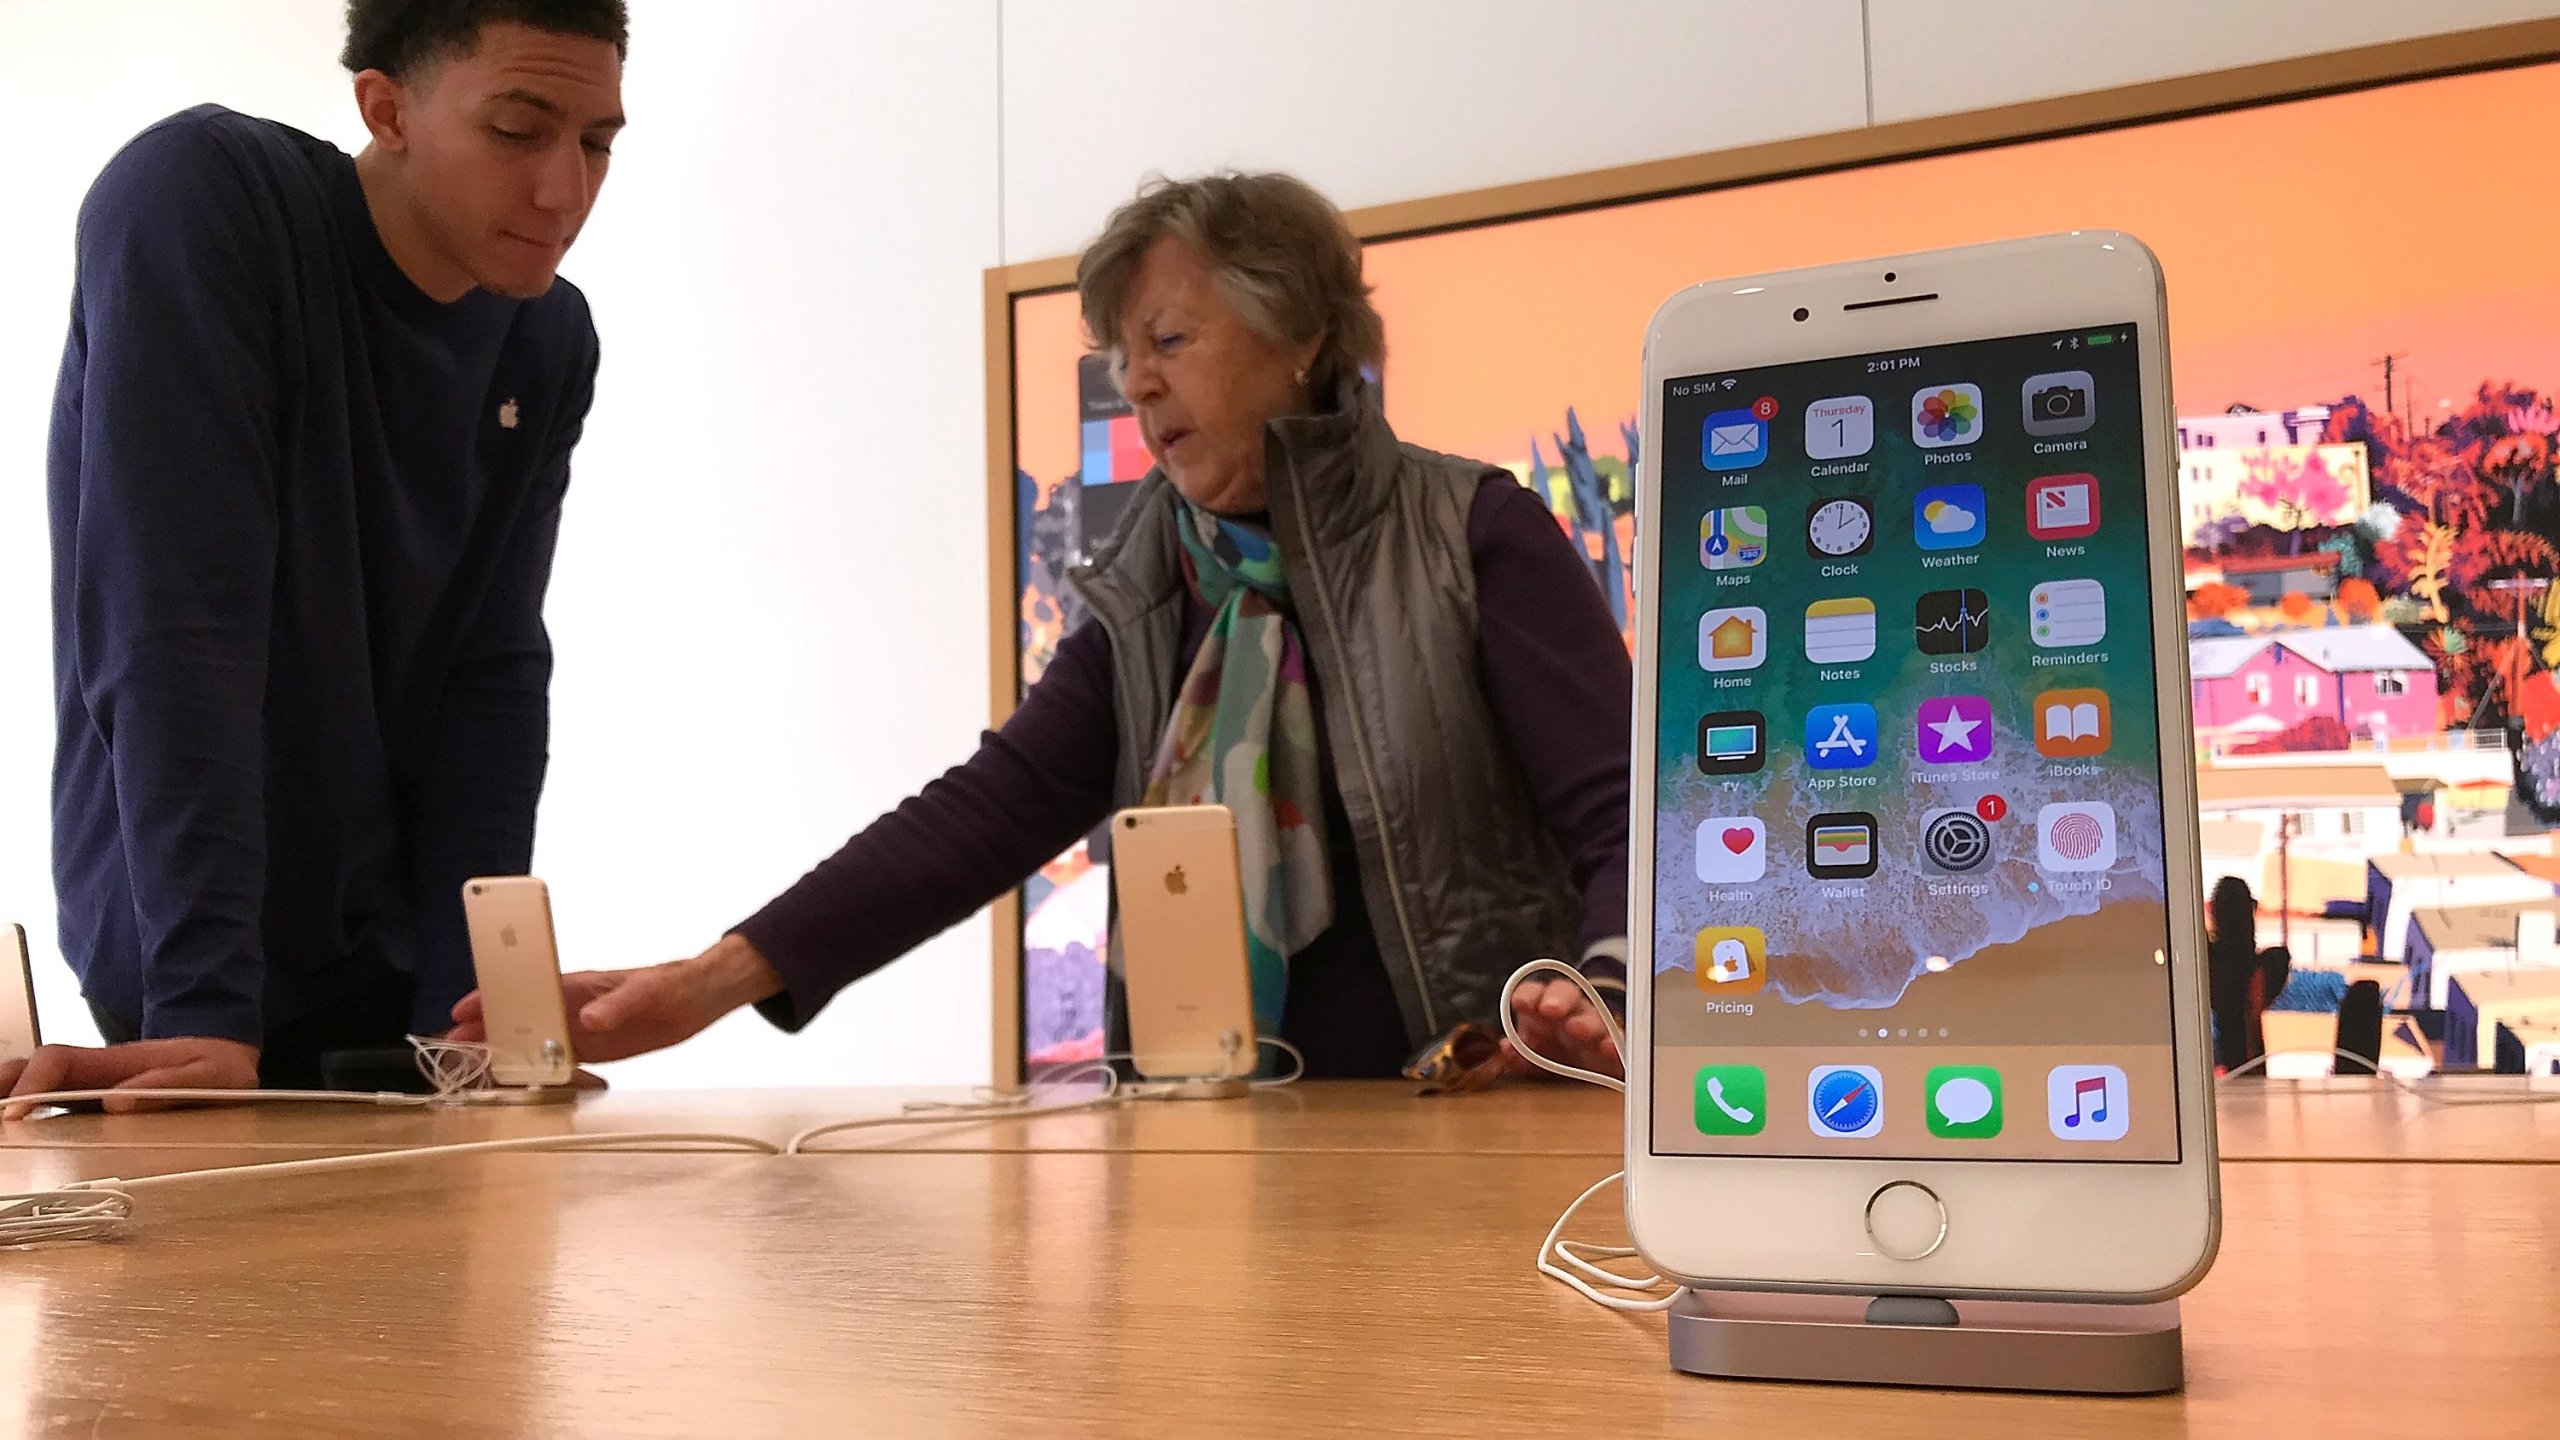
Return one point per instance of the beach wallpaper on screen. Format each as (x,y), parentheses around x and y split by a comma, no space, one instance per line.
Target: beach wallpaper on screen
(2365,340)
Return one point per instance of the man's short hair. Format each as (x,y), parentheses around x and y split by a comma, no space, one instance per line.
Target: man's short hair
(398,37)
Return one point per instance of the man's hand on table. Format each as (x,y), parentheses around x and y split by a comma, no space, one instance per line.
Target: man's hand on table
(187,1063)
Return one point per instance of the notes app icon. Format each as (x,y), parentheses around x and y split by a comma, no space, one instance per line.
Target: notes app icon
(2086,1102)
(1840,632)
(2073,724)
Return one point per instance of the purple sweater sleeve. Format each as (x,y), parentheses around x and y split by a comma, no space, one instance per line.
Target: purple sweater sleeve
(1554,668)
(1033,789)
(1557,672)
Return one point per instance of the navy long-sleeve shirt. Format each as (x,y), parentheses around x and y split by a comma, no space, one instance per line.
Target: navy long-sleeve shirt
(303,518)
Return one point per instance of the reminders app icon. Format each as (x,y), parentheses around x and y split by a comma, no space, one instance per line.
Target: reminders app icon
(1735,440)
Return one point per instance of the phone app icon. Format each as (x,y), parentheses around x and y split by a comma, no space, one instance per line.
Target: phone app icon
(1732,742)
(1964,1102)
(2059,402)
(1840,845)
(1845,1102)
(1732,959)
(1840,427)
(1840,737)
(1947,415)
(1733,850)
(1732,1100)
(1840,632)
(1733,639)
(2073,724)
(1951,622)
(1955,730)
(2076,835)
(2062,507)
(2064,613)
(1840,528)
(1948,517)
(1734,538)
(2087,1102)
(1954,842)
(1735,440)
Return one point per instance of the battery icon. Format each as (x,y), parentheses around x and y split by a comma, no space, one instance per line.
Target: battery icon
(2103,337)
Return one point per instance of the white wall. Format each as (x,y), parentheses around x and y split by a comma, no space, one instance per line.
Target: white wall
(769,605)
(1383,100)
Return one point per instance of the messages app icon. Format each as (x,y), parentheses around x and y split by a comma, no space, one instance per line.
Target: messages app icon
(1964,1102)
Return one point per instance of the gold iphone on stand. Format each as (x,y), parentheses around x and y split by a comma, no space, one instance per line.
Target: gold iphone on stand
(518,964)
(1182,942)
(19,1037)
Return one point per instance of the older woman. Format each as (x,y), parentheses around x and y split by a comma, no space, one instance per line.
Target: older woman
(1401,643)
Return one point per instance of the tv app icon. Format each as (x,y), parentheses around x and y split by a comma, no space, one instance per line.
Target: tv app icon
(1732,742)
(1951,622)
(1732,1100)
(1840,845)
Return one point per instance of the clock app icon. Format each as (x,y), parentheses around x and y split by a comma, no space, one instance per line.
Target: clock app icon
(1846,526)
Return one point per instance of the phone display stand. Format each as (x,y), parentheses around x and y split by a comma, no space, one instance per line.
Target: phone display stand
(525,1095)
(1917,1340)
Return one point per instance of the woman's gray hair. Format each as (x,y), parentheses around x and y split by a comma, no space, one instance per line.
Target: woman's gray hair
(1282,255)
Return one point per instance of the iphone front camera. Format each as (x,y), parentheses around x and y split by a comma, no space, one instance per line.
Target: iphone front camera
(1803,314)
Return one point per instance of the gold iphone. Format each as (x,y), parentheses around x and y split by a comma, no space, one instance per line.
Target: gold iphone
(19,1037)
(518,964)
(1181,940)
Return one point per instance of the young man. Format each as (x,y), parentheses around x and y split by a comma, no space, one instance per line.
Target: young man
(309,446)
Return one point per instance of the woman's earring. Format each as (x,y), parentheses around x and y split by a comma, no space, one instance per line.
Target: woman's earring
(1302,376)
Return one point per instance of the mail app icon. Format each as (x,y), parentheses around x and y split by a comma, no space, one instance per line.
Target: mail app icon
(1735,440)
(2063,507)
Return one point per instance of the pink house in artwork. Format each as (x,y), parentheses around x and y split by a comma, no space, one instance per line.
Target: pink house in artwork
(2368,678)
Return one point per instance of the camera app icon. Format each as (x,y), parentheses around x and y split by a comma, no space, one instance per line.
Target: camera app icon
(2060,402)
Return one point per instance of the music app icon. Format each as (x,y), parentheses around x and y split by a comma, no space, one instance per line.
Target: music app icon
(2087,1102)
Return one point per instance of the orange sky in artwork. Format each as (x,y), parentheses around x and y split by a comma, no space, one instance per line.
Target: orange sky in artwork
(2301,242)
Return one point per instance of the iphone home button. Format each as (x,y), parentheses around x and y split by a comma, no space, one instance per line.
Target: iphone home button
(1906,1220)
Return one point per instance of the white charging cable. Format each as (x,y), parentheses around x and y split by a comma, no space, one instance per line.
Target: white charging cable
(988,1103)
(2424,1095)
(1576,1263)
